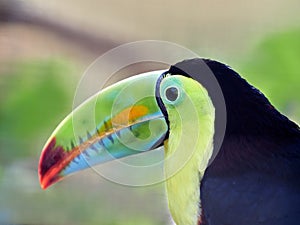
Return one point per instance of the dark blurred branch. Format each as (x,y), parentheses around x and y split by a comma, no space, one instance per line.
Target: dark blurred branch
(14,11)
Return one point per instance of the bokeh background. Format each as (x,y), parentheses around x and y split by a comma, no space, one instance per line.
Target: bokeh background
(45,47)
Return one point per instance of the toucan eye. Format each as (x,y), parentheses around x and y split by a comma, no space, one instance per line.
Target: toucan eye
(172,94)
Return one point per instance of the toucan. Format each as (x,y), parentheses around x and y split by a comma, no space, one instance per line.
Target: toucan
(230,157)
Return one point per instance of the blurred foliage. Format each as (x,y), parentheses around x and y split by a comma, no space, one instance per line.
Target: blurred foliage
(72,206)
(33,98)
(274,69)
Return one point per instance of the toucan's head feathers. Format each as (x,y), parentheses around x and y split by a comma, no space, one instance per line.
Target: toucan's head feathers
(248,110)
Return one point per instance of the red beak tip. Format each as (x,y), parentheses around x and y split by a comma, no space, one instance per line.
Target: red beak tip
(43,184)
(50,163)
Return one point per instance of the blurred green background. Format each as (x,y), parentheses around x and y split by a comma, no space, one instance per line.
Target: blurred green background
(45,46)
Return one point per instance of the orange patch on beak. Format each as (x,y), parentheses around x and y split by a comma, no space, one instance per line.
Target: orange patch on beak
(129,115)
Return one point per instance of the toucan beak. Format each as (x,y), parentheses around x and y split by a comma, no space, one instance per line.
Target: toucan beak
(121,120)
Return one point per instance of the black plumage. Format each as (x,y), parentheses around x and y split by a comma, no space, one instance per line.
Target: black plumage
(255,177)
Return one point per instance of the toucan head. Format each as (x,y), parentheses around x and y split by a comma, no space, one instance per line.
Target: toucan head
(188,109)
(135,115)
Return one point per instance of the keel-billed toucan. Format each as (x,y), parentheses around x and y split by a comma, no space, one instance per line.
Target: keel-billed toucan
(254,178)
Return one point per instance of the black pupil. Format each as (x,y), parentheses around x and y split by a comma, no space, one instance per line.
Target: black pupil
(172,93)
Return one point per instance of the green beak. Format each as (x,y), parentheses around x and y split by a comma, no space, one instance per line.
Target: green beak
(121,120)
